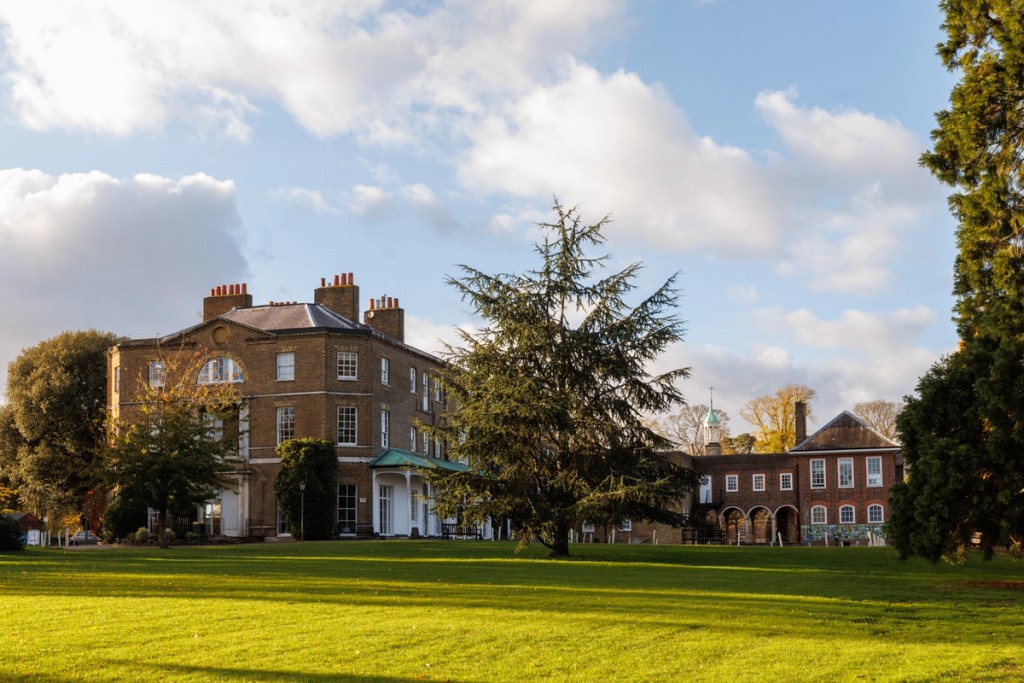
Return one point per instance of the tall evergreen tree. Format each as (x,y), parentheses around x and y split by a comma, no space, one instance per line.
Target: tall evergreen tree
(966,464)
(548,396)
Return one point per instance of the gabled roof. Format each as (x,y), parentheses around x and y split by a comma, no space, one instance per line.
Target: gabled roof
(845,432)
(396,457)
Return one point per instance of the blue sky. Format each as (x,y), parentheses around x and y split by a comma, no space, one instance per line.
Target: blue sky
(765,151)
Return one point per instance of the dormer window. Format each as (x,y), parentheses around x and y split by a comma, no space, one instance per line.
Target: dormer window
(220,371)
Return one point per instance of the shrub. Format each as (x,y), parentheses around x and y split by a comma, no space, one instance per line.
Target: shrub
(314,462)
(142,535)
(11,535)
(123,516)
(169,535)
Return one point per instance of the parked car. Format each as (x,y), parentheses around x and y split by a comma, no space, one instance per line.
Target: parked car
(84,538)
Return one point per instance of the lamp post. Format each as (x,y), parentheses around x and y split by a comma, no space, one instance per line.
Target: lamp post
(302,513)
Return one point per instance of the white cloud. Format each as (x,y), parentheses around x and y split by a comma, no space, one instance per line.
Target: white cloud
(839,383)
(638,158)
(432,337)
(849,140)
(423,201)
(336,67)
(502,82)
(368,200)
(856,191)
(311,200)
(869,333)
(129,256)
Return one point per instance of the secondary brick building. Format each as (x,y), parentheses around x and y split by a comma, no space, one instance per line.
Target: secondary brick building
(310,370)
(832,487)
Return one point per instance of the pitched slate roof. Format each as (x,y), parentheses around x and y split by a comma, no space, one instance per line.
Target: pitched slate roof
(845,432)
(290,317)
(396,457)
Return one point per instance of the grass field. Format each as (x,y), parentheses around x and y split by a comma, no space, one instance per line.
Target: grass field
(473,611)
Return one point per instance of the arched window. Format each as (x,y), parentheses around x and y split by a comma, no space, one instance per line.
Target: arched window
(847,514)
(876,514)
(220,371)
(819,515)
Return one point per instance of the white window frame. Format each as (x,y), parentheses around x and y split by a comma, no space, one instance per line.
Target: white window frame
(847,514)
(117,379)
(426,443)
(732,483)
(844,473)
(412,439)
(285,424)
(873,479)
(818,480)
(785,481)
(437,448)
(157,373)
(385,424)
(626,525)
(426,393)
(819,515)
(348,366)
(412,380)
(437,390)
(385,371)
(876,514)
(757,482)
(285,366)
(221,370)
(350,425)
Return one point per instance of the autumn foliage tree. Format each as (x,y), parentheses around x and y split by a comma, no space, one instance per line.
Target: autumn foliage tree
(774,417)
(548,396)
(175,450)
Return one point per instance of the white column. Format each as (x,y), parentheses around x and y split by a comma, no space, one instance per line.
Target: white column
(409,502)
(375,504)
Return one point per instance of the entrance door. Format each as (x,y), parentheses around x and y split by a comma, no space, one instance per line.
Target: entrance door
(386,511)
(229,513)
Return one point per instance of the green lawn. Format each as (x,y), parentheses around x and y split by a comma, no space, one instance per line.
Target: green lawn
(473,611)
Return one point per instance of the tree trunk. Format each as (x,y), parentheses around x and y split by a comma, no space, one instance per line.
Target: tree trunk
(560,541)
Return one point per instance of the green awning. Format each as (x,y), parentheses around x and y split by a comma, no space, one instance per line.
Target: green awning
(396,457)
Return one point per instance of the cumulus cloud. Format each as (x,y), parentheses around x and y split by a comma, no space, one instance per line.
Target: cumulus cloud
(503,83)
(868,332)
(614,143)
(336,67)
(849,140)
(129,256)
(832,205)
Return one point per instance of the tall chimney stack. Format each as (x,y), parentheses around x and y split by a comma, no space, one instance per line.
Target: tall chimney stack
(387,317)
(341,295)
(223,298)
(800,417)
